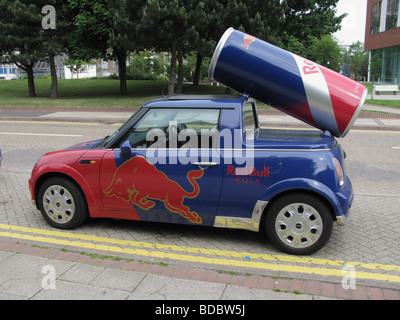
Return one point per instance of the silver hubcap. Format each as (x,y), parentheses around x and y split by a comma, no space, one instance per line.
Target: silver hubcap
(298,225)
(58,204)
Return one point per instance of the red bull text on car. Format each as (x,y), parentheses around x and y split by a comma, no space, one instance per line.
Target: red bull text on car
(204,160)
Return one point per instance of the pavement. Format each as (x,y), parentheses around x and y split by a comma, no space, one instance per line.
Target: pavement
(32,271)
(37,272)
(372,118)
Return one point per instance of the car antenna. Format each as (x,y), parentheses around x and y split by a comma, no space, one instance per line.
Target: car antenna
(162,93)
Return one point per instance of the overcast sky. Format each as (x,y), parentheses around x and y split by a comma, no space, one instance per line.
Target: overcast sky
(353,26)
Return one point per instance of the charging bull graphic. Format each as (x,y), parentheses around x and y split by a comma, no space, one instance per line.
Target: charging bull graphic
(139,182)
(248,40)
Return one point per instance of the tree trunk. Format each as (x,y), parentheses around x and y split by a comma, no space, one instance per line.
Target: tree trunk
(31,81)
(171,85)
(54,83)
(121,56)
(199,61)
(180,71)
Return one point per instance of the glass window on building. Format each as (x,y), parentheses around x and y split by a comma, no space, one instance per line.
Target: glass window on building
(391,65)
(376,17)
(392,14)
(385,65)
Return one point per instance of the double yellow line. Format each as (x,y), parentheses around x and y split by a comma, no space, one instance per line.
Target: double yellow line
(280,263)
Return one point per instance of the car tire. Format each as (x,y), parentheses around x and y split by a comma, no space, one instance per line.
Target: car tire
(62,203)
(299,223)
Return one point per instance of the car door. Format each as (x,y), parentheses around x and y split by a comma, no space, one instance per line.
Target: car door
(165,168)
(246,172)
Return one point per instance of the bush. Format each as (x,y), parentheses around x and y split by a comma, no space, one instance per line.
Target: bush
(131,76)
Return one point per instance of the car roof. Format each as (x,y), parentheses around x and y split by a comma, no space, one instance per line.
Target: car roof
(204,101)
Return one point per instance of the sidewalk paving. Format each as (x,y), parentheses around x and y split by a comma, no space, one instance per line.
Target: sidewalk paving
(37,273)
(42,273)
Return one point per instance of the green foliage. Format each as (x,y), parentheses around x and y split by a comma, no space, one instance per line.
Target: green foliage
(326,52)
(112,29)
(20,25)
(146,62)
(106,29)
(358,60)
(304,18)
(308,19)
(20,36)
(376,65)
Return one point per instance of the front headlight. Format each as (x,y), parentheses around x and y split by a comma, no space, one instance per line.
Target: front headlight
(339,171)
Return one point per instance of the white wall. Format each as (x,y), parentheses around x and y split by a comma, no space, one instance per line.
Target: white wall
(89,73)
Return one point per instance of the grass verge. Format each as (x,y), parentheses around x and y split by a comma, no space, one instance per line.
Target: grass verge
(87,93)
(104,93)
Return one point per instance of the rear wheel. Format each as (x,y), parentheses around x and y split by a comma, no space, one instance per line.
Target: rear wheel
(62,203)
(299,224)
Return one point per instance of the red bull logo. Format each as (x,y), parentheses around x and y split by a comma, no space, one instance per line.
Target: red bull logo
(248,174)
(248,40)
(139,182)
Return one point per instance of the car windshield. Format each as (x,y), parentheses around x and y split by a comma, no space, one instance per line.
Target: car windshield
(107,139)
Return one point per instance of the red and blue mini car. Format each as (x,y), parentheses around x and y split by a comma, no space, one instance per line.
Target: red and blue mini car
(202,160)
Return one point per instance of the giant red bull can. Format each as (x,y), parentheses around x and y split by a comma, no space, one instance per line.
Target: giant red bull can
(299,87)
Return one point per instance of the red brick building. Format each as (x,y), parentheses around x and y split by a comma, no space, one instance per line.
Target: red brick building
(382,39)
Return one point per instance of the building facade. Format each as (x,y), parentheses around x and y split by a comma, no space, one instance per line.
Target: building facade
(8,71)
(41,69)
(382,40)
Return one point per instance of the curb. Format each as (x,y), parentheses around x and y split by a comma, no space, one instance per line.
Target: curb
(378,127)
(17,114)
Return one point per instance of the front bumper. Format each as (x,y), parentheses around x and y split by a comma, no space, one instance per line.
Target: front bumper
(32,184)
(343,220)
(345,198)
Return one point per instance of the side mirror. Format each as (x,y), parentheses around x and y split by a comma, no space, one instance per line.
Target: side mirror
(126,150)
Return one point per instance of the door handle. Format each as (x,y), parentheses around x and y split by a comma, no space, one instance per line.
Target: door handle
(206,164)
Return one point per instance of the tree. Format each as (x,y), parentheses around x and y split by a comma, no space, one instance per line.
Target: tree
(27,37)
(166,26)
(211,18)
(140,63)
(326,52)
(123,39)
(358,60)
(376,65)
(55,39)
(305,20)
(102,25)
(20,36)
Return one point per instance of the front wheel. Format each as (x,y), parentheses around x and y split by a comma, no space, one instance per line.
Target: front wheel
(299,224)
(62,203)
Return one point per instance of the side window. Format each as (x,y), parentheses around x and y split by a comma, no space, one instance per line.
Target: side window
(175,128)
(249,117)
(197,128)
